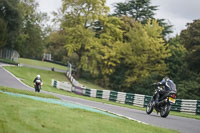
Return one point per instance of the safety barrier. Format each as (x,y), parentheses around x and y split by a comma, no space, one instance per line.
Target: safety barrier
(181,105)
(62,85)
(121,97)
(198,107)
(129,98)
(113,96)
(189,106)
(99,94)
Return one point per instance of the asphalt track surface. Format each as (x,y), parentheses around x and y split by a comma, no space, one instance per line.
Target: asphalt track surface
(184,125)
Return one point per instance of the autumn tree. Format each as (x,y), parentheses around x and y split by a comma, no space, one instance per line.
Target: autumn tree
(77,17)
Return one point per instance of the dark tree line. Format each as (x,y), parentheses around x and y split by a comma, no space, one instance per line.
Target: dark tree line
(21,27)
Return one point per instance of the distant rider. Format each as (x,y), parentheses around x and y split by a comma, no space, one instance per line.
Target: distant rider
(35,81)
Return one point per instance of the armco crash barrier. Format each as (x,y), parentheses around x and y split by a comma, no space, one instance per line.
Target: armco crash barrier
(181,105)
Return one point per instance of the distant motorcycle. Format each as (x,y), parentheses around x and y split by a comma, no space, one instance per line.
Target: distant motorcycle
(165,101)
(37,85)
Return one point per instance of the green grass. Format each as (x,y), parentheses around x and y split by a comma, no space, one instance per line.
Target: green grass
(28,74)
(22,115)
(90,85)
(40,63)
(6,89)
(8,61)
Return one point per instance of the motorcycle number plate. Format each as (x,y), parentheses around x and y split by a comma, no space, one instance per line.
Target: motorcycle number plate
(172,100)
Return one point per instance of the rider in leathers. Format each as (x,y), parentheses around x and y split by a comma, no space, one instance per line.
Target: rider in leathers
(163,89)
(37,78)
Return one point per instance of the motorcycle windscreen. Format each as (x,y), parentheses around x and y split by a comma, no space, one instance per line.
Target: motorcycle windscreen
(171,85)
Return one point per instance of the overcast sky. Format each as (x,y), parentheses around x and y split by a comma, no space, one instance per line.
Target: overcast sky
(176,12)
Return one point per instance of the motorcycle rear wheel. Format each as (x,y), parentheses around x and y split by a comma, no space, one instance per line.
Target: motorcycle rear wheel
(149,108)
(164,112)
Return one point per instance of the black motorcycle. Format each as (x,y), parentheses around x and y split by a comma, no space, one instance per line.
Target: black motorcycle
(37,85)
(165,101)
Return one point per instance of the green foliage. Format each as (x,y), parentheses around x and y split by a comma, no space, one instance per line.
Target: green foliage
(82,12)
(3,33)
(176,62)
(10,22)
(145,52)
(142,11)
(55,44)
(31,38)
(190,39)
(190,87)
(82,42)
(21,27)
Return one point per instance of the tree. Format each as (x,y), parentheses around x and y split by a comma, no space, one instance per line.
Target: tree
(55,45)
(10,22)
(80,41)
(190,39)
(3,33)
(176,62)
(145,53)
(31,37)
(142,11)
(81,12)
(76,19)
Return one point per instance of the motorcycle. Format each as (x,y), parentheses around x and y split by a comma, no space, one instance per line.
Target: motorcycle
(165,101)
(37,85)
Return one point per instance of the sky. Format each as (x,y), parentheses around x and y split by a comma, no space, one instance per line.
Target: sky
(176,12)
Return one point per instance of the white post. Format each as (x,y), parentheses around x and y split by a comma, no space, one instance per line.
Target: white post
(70,68)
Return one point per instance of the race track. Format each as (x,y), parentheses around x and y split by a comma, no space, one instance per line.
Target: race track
(184,125)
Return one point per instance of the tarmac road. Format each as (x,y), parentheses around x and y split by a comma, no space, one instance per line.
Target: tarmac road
(184,125)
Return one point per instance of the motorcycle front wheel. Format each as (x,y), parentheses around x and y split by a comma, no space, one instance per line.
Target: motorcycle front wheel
(149,108)
(165,109)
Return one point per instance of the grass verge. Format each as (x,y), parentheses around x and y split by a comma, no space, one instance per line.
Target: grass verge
(6,89)
(22,115)
(41,63)
(8,61)
(27,76)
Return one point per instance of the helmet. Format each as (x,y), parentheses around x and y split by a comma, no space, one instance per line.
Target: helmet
(166,78)
(38,76)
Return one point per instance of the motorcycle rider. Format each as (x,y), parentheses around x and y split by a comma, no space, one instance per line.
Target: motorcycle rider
(162,89)
(36,79)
